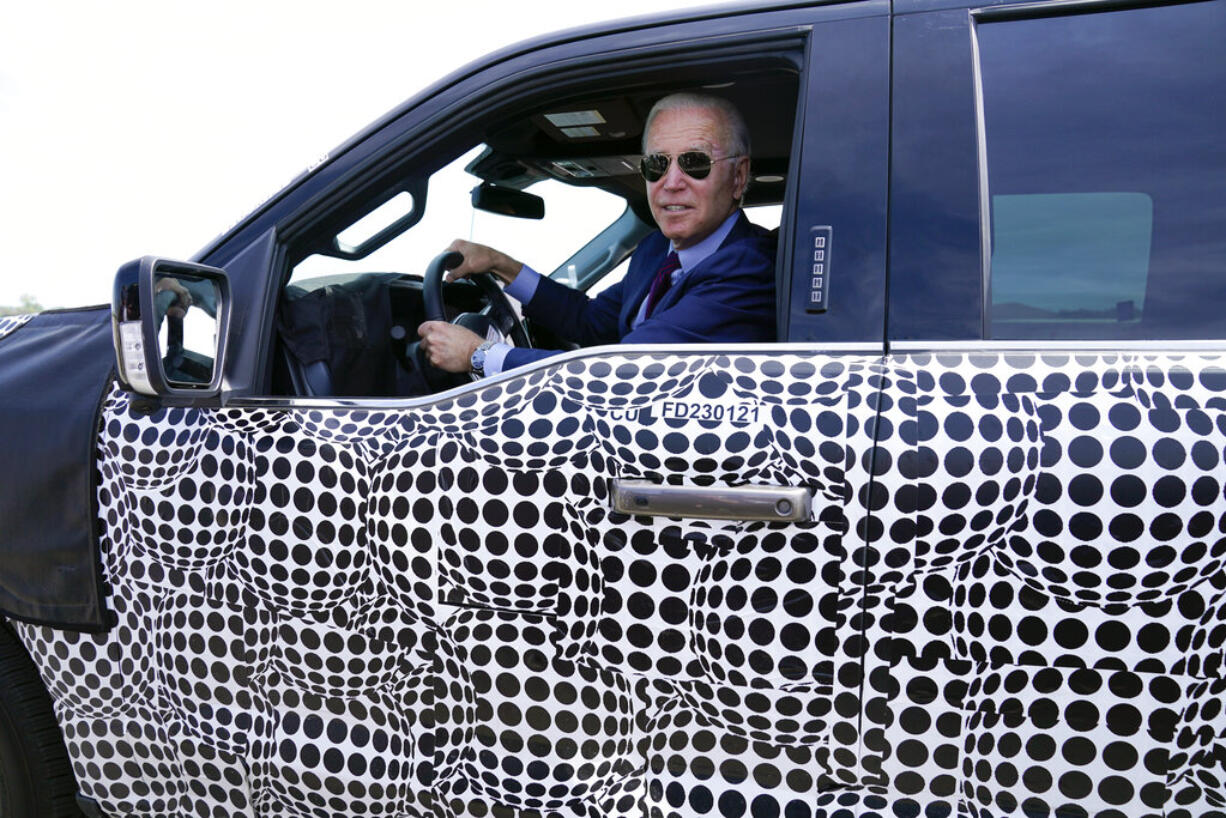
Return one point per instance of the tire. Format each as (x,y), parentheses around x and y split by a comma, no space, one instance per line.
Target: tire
(36,779)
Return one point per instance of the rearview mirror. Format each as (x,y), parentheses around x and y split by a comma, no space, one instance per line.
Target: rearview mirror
(506,201)
(170,320)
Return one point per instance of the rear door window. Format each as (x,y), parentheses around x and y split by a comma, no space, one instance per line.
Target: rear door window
(1061,258)
(1105,156)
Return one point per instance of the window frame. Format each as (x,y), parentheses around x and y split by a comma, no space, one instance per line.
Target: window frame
(938,294)
(1011,12)
(256,251)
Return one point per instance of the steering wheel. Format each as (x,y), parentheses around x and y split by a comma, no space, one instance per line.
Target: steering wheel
(499,313)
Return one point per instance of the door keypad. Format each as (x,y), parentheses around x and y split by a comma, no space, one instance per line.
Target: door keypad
(817,258)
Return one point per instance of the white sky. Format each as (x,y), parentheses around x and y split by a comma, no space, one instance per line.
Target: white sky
(148,126)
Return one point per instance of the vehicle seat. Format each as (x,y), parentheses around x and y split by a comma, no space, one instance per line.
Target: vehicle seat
(337,338)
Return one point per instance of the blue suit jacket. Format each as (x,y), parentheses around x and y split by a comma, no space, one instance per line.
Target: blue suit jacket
(728,296)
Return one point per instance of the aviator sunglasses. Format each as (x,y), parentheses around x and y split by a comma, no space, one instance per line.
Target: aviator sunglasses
(694,164)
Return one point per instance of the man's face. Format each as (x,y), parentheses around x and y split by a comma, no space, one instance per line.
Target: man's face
(687,209)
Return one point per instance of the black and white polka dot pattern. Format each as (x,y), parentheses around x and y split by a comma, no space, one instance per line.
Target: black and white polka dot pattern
(10,323)
(1044,604)
(1009,599)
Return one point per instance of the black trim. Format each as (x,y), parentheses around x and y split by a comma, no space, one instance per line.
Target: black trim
(66,310)
(1060,8)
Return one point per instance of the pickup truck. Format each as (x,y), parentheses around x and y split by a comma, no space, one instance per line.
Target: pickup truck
(952,544)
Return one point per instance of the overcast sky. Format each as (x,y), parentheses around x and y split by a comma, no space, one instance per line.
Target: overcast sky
(149,126)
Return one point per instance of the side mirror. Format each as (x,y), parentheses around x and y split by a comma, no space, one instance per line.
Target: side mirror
(507,201)
(170,321)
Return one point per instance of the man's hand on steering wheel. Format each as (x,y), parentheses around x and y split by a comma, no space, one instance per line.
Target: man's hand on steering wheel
(481,259)
(447,346)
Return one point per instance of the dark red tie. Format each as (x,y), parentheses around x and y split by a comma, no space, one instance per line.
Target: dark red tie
(662,281)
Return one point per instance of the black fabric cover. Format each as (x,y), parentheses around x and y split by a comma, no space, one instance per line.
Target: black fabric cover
(348,327)
(54,371)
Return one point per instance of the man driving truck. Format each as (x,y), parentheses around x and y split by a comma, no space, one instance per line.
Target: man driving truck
(706,275)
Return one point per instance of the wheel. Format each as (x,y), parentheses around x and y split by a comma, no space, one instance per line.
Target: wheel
(36,779)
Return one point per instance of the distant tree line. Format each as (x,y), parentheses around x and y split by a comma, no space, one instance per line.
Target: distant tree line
(28,304)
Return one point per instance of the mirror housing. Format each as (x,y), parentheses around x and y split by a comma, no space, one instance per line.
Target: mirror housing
(507,201)
(170,321)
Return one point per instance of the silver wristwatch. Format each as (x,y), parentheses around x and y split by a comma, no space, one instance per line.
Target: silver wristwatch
(477,362)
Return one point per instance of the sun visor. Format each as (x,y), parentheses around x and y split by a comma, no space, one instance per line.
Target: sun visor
(54,371)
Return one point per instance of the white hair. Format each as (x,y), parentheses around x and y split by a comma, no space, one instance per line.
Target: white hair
(735,129)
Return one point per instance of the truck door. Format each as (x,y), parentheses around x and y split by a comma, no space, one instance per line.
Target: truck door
(1047,602)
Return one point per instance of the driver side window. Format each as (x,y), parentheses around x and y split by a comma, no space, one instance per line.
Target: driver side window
(348,326)
(565,173)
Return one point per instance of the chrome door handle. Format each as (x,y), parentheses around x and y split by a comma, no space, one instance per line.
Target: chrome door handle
(772,503)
